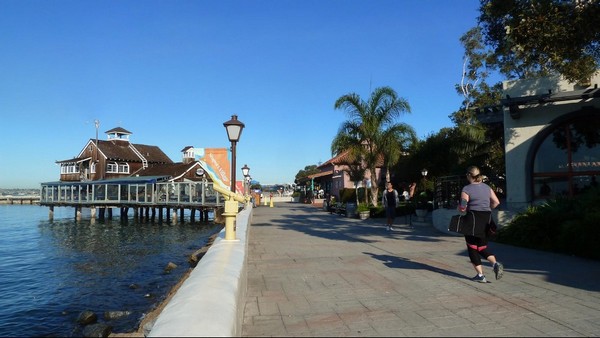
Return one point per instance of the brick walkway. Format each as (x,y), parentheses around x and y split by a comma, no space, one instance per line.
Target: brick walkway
(313,274)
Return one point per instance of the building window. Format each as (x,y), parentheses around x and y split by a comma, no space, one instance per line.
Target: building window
(93,168)
(69,168)
(567,161)
(124,168)
(112,167)
(117,168)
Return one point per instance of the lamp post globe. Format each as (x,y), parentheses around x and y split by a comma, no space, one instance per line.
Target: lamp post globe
(245,170)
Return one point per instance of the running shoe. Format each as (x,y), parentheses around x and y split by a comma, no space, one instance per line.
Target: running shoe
(480,279)
(498,270)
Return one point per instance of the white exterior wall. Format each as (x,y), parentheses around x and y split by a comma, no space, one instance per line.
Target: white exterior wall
(520,133)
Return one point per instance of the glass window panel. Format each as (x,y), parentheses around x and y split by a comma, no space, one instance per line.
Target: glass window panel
(550,159)
(585,143)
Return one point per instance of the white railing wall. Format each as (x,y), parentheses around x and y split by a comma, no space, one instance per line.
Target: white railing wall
(210,302)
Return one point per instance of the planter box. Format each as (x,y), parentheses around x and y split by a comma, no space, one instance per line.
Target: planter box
(364,214)
(421,214)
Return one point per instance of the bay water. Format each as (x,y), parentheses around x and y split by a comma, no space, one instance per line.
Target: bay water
(52,270)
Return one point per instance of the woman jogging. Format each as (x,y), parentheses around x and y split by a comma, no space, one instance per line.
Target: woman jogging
(479,199)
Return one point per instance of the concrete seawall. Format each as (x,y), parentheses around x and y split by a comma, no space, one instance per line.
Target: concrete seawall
(211,301)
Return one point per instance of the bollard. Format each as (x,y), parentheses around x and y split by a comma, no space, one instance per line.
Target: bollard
(271,202)
(231,209)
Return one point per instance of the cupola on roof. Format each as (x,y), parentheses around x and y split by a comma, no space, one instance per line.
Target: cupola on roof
(118,134)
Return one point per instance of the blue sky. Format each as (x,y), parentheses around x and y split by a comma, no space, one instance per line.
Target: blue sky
(172,72)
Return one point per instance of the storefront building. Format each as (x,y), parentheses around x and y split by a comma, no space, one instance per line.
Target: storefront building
(552,139)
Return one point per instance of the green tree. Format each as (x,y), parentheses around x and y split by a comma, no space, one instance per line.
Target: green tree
(356,173)
(370,126)
(473,142)
(303,174)
(532,38)
(395,142)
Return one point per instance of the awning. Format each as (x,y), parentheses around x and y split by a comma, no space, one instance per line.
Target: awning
(321,174)
(122,180)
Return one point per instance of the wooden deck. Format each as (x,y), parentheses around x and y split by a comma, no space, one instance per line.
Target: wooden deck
(140,194)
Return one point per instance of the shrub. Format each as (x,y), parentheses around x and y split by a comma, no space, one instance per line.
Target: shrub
(363,207)
(565,225)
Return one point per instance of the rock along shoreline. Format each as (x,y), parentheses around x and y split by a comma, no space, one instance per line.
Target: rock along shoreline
(149,318)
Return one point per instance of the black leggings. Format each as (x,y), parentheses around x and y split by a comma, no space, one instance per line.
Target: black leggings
(477,248)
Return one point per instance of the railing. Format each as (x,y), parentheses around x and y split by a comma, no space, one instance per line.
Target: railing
(159,194)
(447,191)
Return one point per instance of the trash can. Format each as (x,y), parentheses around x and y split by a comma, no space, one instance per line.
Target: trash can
(350,209)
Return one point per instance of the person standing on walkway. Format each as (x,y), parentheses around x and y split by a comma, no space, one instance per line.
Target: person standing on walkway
(390,200)
(478,199)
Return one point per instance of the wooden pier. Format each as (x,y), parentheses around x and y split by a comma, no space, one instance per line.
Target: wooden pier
(9,199)
(149,197)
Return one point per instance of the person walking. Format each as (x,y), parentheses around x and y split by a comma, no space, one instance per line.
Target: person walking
(478,199)
(390,200)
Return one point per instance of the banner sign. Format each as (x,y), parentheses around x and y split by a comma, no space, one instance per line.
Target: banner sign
(239,187)
(216,163)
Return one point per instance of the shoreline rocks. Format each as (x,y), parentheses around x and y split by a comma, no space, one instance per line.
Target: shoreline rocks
(149,318)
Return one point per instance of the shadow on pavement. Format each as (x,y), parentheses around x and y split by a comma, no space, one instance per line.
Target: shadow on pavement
(396,262)
(551,267)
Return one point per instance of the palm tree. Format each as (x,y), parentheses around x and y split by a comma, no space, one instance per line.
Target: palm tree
(371,130)
(396,140)
(356,173)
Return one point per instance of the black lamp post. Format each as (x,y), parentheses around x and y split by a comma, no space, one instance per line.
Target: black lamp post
(246,173)
(424,174)
(234,129)
(245,170)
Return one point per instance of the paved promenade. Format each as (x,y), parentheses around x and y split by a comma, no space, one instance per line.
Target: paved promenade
(311,273)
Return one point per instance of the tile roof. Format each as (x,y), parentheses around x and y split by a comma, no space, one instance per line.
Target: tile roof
(344,158)
(339,159)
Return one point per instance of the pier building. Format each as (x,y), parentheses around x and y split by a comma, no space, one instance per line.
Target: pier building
(117,174)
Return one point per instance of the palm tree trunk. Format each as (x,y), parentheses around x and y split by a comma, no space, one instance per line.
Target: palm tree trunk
(387,174)
(374,187)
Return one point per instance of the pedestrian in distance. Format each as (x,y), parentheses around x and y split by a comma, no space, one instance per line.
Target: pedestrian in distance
(390,200)
(478,199)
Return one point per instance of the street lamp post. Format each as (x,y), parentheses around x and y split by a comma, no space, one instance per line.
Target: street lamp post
(248,192)
(424,174)
(234,129)
(246,173)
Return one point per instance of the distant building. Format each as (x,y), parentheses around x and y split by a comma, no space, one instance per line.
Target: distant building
(334,175)
(117,157)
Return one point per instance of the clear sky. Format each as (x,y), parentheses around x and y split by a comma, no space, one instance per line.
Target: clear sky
(172,72)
